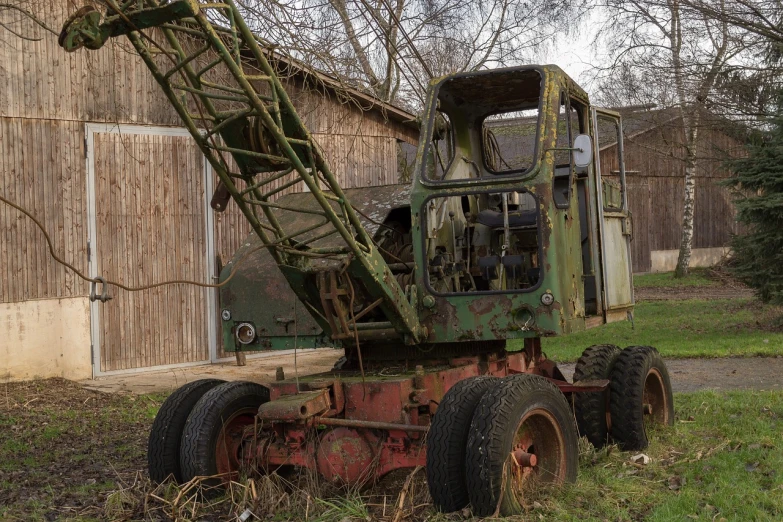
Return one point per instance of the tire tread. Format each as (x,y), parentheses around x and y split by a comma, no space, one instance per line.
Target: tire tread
(590,409)
(163,445)
(447,440)
(492,428)
(627,393)
(197,452)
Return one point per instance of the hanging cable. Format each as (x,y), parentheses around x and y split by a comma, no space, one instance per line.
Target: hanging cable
(88,279)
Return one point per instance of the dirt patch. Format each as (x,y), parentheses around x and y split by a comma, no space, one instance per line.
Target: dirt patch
(63,447)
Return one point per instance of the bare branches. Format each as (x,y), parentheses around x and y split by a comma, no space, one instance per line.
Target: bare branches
(393,47)
(684,57)
(762,17)
(18,18)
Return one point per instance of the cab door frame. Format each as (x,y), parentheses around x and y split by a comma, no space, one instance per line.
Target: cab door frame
(622,217)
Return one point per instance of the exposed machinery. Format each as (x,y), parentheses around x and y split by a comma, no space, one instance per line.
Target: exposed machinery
(515,227)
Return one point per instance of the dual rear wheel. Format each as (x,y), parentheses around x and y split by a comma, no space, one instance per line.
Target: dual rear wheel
(639,395)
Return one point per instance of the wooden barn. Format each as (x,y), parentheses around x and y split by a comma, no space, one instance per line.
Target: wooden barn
(655,172)
(91,147)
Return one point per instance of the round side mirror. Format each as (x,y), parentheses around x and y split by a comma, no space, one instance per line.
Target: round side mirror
(583,150)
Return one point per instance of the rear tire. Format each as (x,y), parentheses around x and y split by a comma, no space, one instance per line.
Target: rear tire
(165,436)
(591,409)
(523,413)
(213,435)
(447,439)
(641,394)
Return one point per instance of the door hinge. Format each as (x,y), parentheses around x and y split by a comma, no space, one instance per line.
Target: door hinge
(89,251)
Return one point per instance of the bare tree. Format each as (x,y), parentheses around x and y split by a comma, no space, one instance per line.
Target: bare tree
(665,52)
(751,91)
(392,47)
(762,17)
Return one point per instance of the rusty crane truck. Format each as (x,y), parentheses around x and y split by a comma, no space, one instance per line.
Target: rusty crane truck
(515,227)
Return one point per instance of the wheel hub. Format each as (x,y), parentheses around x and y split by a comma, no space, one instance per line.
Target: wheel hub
(539,452)
(654,399)
(229,444)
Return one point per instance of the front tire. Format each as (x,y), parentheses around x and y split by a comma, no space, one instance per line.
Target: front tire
(641,395)
(522,434)
(163,445)
(447,439)
(214,433)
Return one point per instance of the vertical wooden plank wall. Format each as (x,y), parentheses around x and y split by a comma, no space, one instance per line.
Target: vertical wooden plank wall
(655,190)
(150,214)
(42,169)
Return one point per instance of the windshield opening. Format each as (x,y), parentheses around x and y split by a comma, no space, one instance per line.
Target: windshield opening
(487,124)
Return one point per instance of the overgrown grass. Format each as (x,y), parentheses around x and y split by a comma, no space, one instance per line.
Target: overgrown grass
(697,277)
(691,328)
(720,461)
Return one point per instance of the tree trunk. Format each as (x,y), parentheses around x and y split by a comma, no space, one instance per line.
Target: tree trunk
(686,240)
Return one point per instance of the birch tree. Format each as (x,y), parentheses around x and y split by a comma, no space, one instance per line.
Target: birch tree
(665,52)
(761,17)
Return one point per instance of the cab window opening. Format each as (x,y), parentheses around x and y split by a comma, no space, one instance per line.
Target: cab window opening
(612,183)
(509,141)
(489,134)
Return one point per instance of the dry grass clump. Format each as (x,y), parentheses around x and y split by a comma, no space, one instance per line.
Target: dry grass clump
(302,496)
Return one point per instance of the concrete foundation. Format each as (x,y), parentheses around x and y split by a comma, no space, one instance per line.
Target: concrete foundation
(666,260)
(45,338)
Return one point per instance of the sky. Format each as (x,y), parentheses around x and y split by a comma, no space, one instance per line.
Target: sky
(574,53)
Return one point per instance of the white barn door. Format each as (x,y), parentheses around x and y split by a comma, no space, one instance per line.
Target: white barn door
(148,194)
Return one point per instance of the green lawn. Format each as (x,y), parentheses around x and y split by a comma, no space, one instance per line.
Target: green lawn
(697,277)
(692,328)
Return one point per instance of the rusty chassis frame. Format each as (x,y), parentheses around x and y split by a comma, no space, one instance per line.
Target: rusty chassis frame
(353,430)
